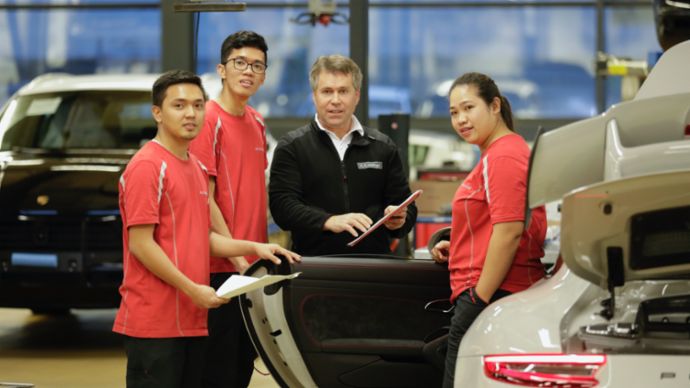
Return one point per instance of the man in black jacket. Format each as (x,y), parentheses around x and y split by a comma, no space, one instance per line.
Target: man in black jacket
(332,177)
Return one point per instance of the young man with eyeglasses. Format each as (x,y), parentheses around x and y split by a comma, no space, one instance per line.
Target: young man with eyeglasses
(232,145)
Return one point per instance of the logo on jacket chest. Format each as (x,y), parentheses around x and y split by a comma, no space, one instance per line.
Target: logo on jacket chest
(370,165)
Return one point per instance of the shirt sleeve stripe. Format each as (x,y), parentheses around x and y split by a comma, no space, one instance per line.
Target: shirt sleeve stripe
(485,172)
(219,125)
(202,166)
(259,120)
(161,176)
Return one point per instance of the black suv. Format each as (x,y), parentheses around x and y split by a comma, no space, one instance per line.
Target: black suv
(64,142)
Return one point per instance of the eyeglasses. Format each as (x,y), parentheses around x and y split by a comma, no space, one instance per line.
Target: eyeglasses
(241,64)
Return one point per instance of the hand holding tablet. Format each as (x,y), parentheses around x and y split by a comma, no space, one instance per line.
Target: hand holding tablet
(385,218)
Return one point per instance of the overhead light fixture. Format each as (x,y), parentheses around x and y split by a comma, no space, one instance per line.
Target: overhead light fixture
(322,12)
(209,6)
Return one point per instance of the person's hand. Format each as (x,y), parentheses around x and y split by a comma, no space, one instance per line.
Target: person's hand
(269,252)
(440,252)
(240,263)
(205,297)
(397,220)
(350,222)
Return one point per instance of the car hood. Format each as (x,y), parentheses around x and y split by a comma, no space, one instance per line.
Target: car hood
(628,229)
(60,183)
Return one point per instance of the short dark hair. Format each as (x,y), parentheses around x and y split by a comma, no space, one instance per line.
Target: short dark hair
(335,64)
(487,90)
(174,77)
(242,39)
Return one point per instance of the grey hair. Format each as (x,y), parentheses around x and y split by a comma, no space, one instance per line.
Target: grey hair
(335,64)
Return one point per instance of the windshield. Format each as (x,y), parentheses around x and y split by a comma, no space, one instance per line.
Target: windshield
(78,120)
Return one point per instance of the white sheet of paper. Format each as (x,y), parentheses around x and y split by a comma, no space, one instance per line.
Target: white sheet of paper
(240,284)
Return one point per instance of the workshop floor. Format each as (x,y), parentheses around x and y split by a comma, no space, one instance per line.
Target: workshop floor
(70,351)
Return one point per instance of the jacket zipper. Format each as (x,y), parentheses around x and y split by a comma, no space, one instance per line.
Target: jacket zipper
(343,169)
(343,172)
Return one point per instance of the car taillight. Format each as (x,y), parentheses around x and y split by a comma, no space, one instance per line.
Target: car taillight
(687,130)
(545,370)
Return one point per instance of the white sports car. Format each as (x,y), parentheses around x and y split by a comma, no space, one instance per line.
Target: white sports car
(615,312)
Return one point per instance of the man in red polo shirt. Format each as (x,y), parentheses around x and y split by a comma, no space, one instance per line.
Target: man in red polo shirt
(166,240)
(232,144)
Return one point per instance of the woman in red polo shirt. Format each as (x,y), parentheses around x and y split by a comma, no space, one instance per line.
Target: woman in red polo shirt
(491,253)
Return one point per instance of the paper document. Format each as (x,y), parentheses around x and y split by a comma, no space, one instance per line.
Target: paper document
(385,218)
(240,284)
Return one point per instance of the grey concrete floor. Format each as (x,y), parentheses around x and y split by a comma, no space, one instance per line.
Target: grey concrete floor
(77,350)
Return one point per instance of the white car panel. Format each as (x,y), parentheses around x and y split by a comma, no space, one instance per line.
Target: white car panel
(657,371)
(664,79)
(556,170)
(497,331)
(275,340)
(622,161)
(598,218)
(572,156)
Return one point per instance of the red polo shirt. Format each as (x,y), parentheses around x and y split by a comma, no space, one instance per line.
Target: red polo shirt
(157,188)
(495,192)
(234,150)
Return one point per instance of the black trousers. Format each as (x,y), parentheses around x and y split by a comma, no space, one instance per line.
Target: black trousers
(467,309)
(230,353)
(164,362)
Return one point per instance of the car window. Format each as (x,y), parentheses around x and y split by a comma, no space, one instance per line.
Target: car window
(78,120)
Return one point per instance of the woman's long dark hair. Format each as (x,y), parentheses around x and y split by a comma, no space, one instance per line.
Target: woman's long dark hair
(487,91)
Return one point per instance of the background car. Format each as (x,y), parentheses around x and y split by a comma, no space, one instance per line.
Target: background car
(614,314)
(64,141)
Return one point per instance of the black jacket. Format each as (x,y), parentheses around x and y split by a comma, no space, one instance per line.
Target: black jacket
(309,183)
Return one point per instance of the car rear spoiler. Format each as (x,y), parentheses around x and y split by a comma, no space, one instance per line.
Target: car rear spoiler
(584,153)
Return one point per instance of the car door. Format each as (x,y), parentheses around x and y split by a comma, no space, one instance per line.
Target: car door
(351,322)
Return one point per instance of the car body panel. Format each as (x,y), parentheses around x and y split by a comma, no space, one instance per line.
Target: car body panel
(599,217)
(550,300)
(583,163)
(351,322)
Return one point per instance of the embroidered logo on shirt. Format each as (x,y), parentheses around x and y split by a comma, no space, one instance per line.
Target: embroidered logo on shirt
(370,165)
